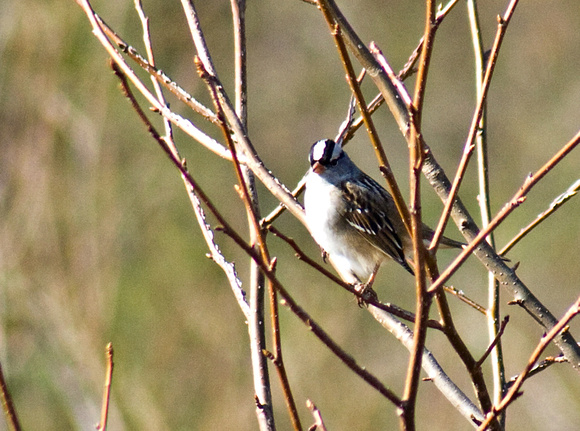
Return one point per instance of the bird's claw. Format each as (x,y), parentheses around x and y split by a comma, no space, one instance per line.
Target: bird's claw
(366,294)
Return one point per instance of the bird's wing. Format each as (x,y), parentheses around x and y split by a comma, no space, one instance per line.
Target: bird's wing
(366,210)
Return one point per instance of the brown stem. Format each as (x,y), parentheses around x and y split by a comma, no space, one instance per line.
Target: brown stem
(514,391)
(473,129)
(557,203)
(107,392)
(8,404)
(494,342)
(423,302)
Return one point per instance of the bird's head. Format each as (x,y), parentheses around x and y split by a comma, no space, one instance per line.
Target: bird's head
(324,154)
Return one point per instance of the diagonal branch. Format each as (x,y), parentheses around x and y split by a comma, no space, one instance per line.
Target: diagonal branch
(518,199)
(8,405)
(477,116)
(555,205)
(368,299)
(514,391)
(436,374)
(102,426)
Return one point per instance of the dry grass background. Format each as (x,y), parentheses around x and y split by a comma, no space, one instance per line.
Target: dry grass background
(98,242)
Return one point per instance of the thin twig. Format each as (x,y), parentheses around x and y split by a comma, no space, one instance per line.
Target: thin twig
(277,212)
(257,234)
(423,301)
(556,203)
(8,404)
(515,202)
(494,342)
(375,104)
(107,392)
(473,129)
(216,255)
(493,312)
(461,295)
(514,391)
(408,68)
(151,59)
(541,366)
(318,422)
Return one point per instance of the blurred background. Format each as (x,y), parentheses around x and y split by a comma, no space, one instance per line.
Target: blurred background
(98,242)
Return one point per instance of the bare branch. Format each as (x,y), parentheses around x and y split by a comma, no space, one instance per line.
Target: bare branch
(259,237)
(216,255)
(556,203)
(493,342)
(461,295)
(157,75)
(439,181)
(253,161)
(473,129)
(541,366)
(408,68)
(107,392)
(493,312)
(416,158)
(512,394)
(176,119)
(444,311)
(8,404)
(515,202)
(318,422)
(436,374)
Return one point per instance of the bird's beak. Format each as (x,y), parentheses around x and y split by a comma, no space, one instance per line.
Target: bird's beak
(317,168)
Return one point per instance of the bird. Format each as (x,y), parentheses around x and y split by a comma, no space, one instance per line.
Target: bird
(353,219)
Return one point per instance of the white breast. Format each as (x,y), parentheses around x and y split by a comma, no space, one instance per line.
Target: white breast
(321,216)
(349,253)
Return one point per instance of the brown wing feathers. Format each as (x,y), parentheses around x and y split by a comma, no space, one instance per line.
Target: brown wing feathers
(366,211)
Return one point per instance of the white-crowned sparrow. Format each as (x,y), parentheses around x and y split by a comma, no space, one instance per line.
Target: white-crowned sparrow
(353,218)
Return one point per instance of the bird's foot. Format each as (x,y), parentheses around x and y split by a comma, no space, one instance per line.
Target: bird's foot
(366,294)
